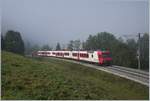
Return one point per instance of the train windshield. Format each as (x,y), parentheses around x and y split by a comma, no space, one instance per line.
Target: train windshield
(105,55)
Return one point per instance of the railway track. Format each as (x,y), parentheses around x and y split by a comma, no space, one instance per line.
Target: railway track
(132,74)
(135,72)
(139,76)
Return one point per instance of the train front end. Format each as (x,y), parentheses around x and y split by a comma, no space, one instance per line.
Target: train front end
(104,57)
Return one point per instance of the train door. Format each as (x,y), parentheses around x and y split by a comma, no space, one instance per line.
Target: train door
(100,58)
(63,54)
(91,57)
(78,56)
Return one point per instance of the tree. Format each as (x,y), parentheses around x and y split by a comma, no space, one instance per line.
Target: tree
(70,45)
(132,44)
(28,46)
(103,40)
(46,48)
(121,52)
(58,46)
(88,45)
(14,42)
(83,45)
(35,48)
(2,42)
(144,48)
(76,44)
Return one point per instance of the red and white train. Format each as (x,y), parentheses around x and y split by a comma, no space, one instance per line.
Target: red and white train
(98,57)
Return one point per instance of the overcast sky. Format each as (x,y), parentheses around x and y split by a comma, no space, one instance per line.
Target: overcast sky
(52,21)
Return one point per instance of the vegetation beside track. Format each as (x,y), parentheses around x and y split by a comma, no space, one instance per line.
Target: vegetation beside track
(47,78)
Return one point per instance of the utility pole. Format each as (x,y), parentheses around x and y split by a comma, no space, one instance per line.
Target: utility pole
(139,64)
(139,48)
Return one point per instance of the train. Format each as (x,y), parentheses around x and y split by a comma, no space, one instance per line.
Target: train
(96,57)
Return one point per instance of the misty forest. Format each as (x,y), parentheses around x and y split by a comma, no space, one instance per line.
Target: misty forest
(123,51)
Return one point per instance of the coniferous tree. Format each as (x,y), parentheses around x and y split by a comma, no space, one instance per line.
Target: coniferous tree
(76,45)
(58,46)
(2,42)
(14,42)
(70,45)
(46,48)
(144,54)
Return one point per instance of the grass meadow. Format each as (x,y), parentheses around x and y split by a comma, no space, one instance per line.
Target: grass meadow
(46,78)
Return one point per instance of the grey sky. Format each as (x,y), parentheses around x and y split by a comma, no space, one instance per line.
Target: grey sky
(52,21)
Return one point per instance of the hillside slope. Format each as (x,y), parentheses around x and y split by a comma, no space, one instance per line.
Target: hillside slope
(42,78)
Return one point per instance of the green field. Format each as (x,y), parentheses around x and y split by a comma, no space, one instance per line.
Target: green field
(44,78)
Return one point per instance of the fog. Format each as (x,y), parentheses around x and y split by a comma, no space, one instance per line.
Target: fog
(52,21)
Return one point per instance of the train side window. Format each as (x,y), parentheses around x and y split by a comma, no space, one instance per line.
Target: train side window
(74,54)
(87,55)
(67,54)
